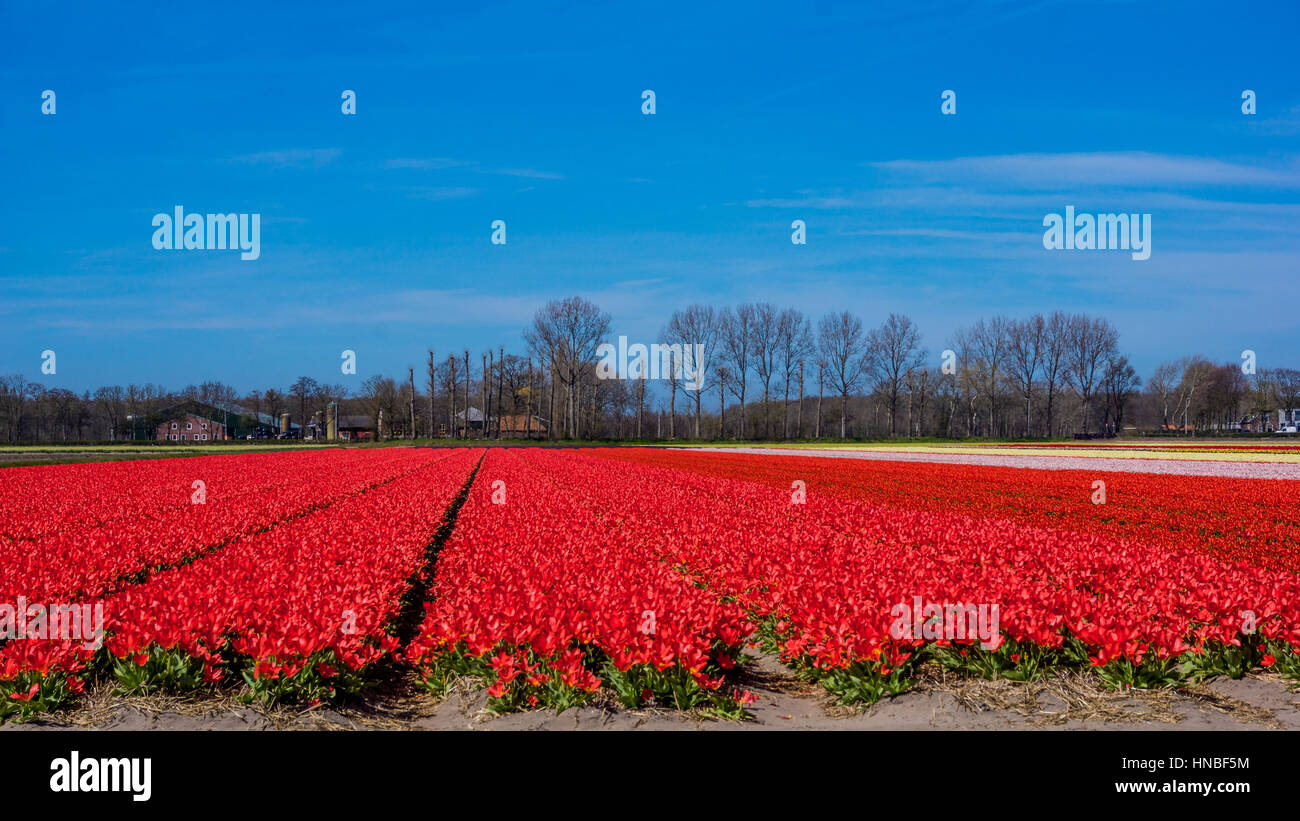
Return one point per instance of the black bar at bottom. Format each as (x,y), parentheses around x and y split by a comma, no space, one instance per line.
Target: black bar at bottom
(282,773)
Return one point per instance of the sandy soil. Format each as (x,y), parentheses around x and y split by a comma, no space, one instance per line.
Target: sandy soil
(785,702)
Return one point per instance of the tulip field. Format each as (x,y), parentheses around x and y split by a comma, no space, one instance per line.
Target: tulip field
(551,577)
(286,575)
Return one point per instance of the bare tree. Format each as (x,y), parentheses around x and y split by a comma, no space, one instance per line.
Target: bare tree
(821,375)
(1286,383)
(1162,384)
(567,333)
(451,382)
(528,406)
(894,349)
(1195,371)
(840,341)
(254,399)
(466,403)
(410,400)
(1219,407)
(619,397)
(432,385)
(794,343)
(111,404)
(724,374)
(921,385)
(15,391)
(275,404)
(764,333)
(798,425)
(1092,343)
(303,389)
(379,393)
(1056,344)
(985,348)
(214,392)
(674,384)
(1025,343)
(1263,397)
(696,325)
(484,385)
(1119,382)
(501,373)
(737,347)
(640,402)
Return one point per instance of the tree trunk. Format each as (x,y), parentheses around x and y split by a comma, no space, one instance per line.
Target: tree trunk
(432,392)
(798,430)
(699,398)
(451,396)
(501,375)
(640,405)
(410,413)
(465,429)
(722,408)
(485,385)
(785,412)
(672,411)
(818,430)
(767,413)
(550,430)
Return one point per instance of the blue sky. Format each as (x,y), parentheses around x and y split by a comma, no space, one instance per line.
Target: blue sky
(375,227)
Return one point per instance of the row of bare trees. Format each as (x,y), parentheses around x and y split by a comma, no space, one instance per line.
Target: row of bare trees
(769,373)
(1193,393)
(1035,360)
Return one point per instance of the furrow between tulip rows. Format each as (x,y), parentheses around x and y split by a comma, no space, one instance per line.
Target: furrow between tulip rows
(548,603)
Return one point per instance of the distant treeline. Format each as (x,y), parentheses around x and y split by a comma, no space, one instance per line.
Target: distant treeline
(769,373)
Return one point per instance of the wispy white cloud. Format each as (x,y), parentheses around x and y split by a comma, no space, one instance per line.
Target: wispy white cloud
(291,158)
(810,201)
(445,163)
(1285,124)
(530,173)
(941,233)
(442,192)
(426,164)
(1130,169)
